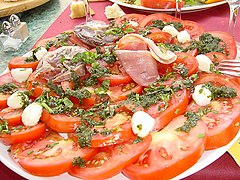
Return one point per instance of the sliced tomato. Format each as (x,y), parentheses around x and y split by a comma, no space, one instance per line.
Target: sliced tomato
(176,106)
(160,37)
(13,116)
(216,57)
(118,93)
(223,121)
(159,16)
(20,133)
(60,122)
(121,128)
(110,161)
(129,17)
(193,28)
(160,4)
(132,43)
(170,153)
(19,62)
(231,49)
(51,155)
(189,62)
(116,79)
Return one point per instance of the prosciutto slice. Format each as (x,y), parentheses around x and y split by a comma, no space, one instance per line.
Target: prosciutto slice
(139,65)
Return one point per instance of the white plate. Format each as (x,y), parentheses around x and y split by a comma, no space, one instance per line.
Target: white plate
(207,158)
(185,9)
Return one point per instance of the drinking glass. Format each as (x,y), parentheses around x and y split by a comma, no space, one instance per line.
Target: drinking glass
(233,6)
(178,10)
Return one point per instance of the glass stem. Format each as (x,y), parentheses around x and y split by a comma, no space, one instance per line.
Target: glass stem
(232,19)
(87,11)
(178,9)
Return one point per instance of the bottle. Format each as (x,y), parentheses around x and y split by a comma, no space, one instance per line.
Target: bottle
(20,28)
(8,38)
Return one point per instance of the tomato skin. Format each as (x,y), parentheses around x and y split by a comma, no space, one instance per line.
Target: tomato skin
(189,61)
(18,137)
(231,49)
(45,161)
(160,4)
(19,62)
(223,126)
(216,57)
(117,93)
(178,103)
(129,17)
(160,37)
(118,157)
(114,138)
(116,79)
(60,122)
(168,157)
(13,116)
(132,43)
(193,28)
(159,16)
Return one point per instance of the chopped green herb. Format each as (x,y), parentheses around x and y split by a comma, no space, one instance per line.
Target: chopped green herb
(78,161)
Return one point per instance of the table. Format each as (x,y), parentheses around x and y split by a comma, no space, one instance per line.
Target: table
(212,19)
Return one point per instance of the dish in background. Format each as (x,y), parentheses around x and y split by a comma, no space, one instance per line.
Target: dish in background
(186,9)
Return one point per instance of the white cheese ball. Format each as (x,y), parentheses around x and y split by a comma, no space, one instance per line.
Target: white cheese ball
(142,123)
(31,114)
(204,63)
(171,30)
(40,53)
(21,74)
(15,100)
(202,95)
(183,37)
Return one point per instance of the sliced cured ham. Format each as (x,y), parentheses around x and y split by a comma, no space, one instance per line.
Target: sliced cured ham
(139,65)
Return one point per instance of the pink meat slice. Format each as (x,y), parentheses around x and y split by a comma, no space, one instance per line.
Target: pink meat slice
(139,65)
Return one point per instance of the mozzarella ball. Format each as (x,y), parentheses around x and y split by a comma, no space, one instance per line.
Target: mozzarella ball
(204,63)
(171,30)
(31,114)
(21,74)
(202,95)
(142,123)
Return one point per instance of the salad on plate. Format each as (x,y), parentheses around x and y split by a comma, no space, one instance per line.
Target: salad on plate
(142,96)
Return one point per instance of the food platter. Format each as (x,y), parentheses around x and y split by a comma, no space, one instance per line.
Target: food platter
(207,158)
(185,9)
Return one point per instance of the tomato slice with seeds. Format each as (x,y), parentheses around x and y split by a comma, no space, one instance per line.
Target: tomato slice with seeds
(223,121)
(110,161)
(147,21)
(51,155)
(118,93)
(129,17)
(60,122)
(170,153)
(176,106)
(121,131)
(11,115)
(116,79)
(21,133)
(160,37)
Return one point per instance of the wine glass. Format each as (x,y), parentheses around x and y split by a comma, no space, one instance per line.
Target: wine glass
(233,6)
(178,10)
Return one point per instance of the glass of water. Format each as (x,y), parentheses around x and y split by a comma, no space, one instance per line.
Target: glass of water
(234,7)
